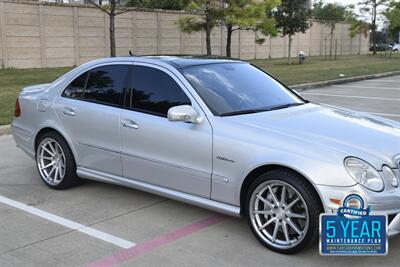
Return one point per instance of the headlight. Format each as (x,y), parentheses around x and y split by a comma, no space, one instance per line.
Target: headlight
(390,176)
(364,174)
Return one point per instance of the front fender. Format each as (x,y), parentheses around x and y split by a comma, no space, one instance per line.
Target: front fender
(318,165)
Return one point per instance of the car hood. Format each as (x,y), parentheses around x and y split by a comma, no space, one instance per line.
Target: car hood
(352,133)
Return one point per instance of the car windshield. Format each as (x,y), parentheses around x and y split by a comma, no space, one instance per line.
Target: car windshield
(238,88)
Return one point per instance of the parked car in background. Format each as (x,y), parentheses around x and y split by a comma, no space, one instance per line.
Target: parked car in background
(381,47)
(220,134)
(396,47)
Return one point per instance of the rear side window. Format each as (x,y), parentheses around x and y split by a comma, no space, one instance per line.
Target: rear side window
(76,88)
(155,92)
(107,84)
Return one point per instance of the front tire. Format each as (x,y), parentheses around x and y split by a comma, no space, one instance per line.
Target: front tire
(283,210)
(55,162)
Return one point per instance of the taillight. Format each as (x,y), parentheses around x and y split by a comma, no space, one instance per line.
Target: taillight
(17,112)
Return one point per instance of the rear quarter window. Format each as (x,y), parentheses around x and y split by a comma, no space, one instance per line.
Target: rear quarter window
(76,88)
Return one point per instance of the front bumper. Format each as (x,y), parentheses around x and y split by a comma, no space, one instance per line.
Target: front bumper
(380,203)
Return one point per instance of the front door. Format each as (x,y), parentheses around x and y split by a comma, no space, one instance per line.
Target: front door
(174,155)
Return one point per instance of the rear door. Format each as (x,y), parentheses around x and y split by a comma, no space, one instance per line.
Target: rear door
(90,109)
(174,155)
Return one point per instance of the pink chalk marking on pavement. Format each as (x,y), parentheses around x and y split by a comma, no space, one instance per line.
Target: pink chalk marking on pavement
(139,249)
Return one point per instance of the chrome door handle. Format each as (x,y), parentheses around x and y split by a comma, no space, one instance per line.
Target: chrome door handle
(69,111)
(130,124)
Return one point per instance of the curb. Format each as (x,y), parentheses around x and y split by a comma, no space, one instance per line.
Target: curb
(307,86)
(5,129)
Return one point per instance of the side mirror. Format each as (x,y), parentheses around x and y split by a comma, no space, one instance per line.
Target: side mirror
(184,113)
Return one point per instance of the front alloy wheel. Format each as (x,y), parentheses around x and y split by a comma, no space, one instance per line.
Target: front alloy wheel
(279,214)
(283,211)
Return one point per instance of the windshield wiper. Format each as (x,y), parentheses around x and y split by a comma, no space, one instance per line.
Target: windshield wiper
(250,111)
(241,112)
(285,106)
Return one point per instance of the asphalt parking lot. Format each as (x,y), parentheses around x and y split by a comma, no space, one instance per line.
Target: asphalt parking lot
(102,225)
(380,96)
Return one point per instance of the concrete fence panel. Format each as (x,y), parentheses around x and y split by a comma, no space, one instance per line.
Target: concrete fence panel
(34,35)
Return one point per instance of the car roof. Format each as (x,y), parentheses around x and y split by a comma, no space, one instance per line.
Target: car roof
(190,61)
(177,62)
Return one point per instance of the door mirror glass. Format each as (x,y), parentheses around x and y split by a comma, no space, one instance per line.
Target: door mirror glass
(184,113)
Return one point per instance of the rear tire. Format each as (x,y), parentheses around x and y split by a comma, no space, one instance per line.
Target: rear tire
(282,210)
(55,162)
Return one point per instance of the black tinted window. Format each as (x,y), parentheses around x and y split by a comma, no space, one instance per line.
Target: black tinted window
(155,91)
(107,84)
(75,89)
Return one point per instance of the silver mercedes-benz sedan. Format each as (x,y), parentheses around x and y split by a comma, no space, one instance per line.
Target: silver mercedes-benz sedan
(220,134)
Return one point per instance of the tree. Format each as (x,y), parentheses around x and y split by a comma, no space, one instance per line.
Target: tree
(247,15)
(211,10)
(114,9)
(330,15)
(373,9)
(160,4)
(292,17)
(393,17)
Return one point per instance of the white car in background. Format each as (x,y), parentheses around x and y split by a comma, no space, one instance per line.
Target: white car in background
(396,47)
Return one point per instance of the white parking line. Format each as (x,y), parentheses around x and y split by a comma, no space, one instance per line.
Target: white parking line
(384,114)
(385,81)
(68,223)
(353,96)
(366,87)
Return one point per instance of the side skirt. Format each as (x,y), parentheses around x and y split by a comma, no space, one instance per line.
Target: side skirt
(153,189)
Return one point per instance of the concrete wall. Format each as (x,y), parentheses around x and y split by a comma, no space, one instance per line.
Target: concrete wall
(34,35)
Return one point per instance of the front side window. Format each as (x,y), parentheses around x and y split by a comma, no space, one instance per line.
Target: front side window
(238,88)
(107,84)
(76,87)
(155,92)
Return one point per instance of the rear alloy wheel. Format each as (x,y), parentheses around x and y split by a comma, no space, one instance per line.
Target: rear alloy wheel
(55,162)
(283,211)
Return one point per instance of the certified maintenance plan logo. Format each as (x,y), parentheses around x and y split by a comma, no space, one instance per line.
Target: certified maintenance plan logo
(352,231)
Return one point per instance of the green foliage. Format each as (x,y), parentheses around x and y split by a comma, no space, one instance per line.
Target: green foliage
(267,24)
(233,14)
(250,15)
(373,9)
(393,16)
(292,17)
(159,4)
(191,24)
(358,26)
(210,12)
(330,14)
